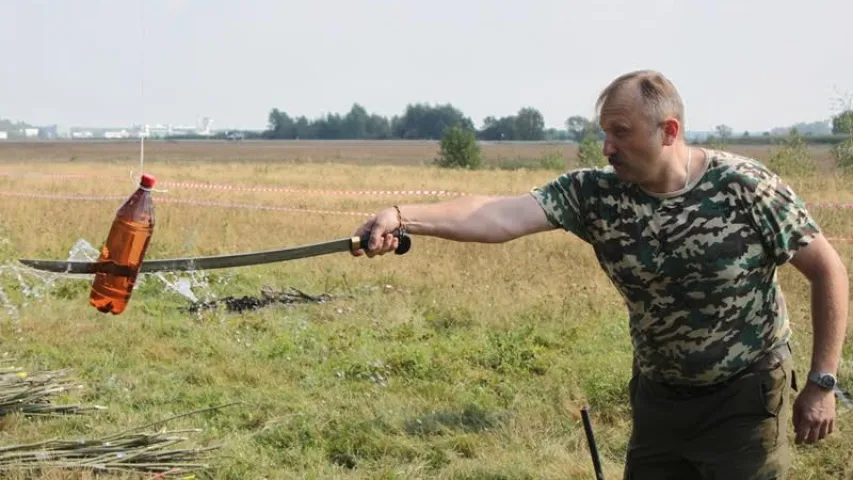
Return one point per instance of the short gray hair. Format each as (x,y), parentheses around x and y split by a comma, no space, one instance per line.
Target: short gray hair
(659,96)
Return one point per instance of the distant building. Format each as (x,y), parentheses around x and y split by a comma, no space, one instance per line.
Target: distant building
(117,134)
(4,135)
(48,133)
(157,130)
(81,134)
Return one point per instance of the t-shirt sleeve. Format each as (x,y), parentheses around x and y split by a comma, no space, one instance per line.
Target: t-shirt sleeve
(784,223)
(564,198)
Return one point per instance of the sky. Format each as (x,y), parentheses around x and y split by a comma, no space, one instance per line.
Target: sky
(752,65)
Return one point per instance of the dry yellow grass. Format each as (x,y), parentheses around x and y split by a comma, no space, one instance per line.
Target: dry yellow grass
(501,343)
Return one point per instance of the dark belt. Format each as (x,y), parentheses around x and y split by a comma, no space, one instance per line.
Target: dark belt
(768,361)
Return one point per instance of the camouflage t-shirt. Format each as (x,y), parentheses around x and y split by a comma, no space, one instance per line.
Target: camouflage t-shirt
(696,267)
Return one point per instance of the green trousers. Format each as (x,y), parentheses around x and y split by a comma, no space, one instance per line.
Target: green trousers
(733,431)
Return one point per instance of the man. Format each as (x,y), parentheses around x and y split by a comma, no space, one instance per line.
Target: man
(692,239)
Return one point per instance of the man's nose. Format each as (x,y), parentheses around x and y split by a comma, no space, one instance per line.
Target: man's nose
(608,148)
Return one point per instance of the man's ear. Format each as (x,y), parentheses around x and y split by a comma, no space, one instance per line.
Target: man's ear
(671,129)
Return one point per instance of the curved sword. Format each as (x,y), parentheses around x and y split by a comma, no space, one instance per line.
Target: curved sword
(213,262)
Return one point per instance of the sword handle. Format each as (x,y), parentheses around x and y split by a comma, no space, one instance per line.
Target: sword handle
(403,247)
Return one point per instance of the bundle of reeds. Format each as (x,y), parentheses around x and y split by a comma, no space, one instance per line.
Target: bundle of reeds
(122,452)
(30,393)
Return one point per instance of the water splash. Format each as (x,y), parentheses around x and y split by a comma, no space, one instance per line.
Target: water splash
(11,309)
(83,251)
(35,284)
(183,284)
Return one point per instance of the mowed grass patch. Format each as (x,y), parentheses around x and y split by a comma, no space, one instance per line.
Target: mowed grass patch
(456,361)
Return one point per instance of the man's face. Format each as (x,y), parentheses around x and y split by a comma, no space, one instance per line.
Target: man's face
(633,142)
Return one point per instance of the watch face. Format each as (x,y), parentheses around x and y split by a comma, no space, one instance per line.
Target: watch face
(825,380)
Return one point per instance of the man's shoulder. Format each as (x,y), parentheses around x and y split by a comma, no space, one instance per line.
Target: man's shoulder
(729,167)
(573,197)
(598,180)
(578,181)
(599,172)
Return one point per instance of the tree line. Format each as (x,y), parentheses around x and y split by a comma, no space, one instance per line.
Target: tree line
(421,121)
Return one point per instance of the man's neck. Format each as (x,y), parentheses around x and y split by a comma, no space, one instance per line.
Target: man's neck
(680,164)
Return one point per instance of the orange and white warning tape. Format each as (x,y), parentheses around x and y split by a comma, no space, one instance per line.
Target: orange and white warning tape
(829,205)
(245,188)
(204,203)
(238,188)
(277,208)
(314,191)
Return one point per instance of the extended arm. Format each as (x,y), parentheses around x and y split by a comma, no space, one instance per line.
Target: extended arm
(467,219)
(477,219)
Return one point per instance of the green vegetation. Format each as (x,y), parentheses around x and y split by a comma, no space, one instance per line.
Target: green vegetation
(455,361)
(459,149)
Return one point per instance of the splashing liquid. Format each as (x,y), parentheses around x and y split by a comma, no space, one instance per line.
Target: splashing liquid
(125,247)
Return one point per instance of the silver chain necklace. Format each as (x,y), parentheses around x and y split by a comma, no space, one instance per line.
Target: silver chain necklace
(687,180)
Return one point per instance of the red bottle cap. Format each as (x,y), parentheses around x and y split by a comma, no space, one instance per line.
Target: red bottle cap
(147,180)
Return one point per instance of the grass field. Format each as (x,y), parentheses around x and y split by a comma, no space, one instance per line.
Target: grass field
(455,361)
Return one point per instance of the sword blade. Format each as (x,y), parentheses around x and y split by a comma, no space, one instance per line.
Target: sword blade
(213,262)
(245,259)
(197,263)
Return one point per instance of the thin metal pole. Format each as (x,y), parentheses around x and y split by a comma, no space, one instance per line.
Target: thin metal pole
(590,440)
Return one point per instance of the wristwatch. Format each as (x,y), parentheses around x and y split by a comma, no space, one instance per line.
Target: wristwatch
(827,381)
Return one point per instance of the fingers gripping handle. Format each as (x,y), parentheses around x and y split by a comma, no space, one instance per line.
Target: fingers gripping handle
(405,242)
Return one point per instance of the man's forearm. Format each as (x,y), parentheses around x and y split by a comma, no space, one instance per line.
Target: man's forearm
(829,319)
(474,218)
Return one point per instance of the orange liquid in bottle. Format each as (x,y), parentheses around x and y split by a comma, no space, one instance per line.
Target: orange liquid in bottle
(125,246)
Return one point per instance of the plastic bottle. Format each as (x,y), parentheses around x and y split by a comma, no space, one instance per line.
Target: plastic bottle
(125,247)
